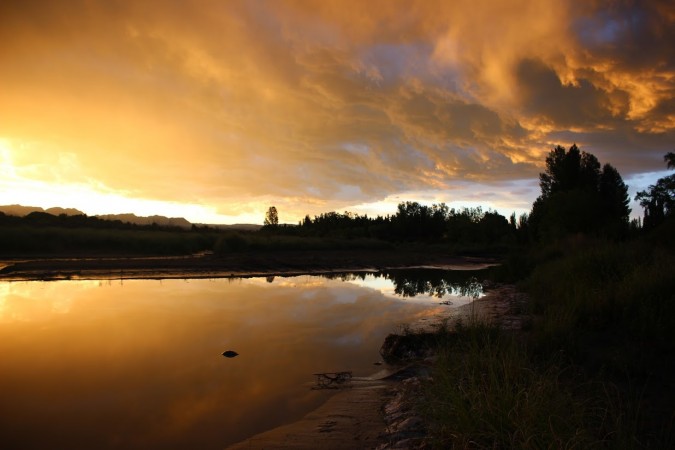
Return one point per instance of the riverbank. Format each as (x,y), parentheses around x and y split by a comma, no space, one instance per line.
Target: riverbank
(352,416)
(245,264)
(378,412)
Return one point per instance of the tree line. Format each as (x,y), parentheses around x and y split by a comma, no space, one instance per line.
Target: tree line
(578,195)
(412,222)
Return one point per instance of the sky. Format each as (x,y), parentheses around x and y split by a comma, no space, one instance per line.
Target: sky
(216,110)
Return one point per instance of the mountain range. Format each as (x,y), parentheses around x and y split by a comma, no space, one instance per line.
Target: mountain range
(21,211)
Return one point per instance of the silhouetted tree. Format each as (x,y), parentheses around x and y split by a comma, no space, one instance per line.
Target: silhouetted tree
(564,212)
(523,233)
(494,227)
(462,224)
(614,201)
(569,170)
(577,197)
(414,221)
(670,160)
(589,171)
(271,217)
(658,200)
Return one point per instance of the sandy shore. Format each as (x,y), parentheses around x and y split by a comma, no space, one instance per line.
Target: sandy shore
(350,419)
(287,263)
(377,413)
(373,412)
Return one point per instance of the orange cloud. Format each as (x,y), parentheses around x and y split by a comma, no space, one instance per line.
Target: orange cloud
(319,105)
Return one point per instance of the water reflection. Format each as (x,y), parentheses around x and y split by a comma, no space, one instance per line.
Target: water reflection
(140,365)
(446,285)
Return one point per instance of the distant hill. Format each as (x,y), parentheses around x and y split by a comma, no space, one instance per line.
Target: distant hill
(67,211)
(21,211)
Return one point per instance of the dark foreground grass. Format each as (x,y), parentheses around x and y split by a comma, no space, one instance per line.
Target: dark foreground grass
(594,370)
(489,392)
(623,295)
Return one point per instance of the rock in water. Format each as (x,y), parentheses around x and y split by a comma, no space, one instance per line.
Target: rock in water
(230,354)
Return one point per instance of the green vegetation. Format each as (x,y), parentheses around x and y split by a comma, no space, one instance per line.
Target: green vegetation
(233,242)
(412,223)
(92,241)
(623,291)
(414,226)
(489,393)
(45,234)
(594,366)
(593,369)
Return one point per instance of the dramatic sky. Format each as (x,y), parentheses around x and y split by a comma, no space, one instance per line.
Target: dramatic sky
(215,110)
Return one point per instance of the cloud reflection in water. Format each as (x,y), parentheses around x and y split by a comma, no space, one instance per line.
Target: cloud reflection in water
(140,365)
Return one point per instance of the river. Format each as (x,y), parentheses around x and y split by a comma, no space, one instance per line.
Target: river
(139,364)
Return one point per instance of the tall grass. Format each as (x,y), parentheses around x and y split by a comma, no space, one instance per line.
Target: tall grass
(626,293)
(488,392)
(594,371)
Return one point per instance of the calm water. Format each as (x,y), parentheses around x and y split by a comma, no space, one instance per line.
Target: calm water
(138,363)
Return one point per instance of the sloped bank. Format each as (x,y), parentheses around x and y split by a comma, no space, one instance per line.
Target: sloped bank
(408,427)
(380,412)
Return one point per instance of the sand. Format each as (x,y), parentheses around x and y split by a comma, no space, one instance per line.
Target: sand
(351,419)
(283,263)
(368,415)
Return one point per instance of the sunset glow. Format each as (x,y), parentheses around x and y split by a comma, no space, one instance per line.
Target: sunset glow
(215,110)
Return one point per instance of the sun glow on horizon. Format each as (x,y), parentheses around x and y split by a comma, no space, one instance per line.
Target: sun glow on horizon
(21,184)
(215,113)
(93,198)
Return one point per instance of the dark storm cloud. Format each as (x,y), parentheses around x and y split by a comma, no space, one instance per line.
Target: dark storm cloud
(317,105)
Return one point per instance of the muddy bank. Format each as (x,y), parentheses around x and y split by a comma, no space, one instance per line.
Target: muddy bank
(285,263)
(349,419)
(368,413)
(503,305)
(379,412)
